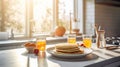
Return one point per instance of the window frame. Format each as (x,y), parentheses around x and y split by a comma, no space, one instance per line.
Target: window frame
(29,17)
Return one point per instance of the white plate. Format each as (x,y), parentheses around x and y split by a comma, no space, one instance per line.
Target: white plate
(51,50)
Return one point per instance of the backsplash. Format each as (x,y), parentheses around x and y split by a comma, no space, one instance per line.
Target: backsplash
(90,17)
(109,19)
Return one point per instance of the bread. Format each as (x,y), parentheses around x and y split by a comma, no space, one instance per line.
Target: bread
(28,44)
(67,48)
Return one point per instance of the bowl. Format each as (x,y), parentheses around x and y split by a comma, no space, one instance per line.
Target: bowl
(29,47)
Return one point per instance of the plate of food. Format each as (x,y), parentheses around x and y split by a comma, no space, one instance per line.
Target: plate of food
(66,50)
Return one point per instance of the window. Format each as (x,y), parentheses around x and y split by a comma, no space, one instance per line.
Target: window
(65,12)
(34,17)
(43,16)
(0,15)
(14,16)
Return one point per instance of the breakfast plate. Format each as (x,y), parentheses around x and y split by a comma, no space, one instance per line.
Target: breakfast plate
(53,52)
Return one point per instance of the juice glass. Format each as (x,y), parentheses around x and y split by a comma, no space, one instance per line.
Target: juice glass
(87,41)
(41,44)
(71,38)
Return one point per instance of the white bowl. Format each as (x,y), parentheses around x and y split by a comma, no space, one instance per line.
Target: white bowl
(30,49)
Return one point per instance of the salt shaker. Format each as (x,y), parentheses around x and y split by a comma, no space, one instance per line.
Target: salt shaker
(100,40)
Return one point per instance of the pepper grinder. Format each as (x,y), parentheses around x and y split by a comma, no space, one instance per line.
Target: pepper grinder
(100,39)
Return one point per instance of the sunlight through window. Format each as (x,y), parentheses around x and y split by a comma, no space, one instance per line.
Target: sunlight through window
(43,16)
(16,15)
(65,8)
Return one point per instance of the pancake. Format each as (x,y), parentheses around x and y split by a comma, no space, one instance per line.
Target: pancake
(78,52)
(67,48)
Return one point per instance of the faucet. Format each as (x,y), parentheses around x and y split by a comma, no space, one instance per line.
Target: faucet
(12,34)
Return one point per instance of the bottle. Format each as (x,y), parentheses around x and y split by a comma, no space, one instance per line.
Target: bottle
(100,40)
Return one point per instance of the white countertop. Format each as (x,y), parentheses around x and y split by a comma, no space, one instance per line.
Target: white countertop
(31,39)
(18,58)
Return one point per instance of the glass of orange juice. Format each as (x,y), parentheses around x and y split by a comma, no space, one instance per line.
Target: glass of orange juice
(41,44)
(71,38)
(87,41)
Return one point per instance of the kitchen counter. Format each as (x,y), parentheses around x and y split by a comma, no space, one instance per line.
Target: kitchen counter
(19,58)
(16,43)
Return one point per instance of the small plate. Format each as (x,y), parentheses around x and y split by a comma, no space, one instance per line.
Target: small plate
(52,51)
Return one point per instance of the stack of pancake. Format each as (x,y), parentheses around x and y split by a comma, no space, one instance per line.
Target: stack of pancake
(68,48)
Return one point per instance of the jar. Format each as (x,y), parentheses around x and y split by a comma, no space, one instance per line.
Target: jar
(100,40)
